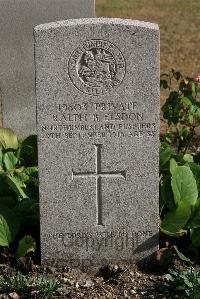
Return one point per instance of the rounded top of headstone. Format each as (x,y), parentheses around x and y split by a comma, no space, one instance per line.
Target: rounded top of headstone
(96,21)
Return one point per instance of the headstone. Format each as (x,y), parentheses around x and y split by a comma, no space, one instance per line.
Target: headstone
(97,86)
(17,75)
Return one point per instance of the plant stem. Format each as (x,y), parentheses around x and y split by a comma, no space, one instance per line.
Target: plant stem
(190,139)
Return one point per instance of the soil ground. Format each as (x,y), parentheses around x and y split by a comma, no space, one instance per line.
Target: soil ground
(111,282)
(179,22)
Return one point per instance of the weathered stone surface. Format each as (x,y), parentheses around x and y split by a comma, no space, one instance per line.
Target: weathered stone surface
(97,85)
(17,75)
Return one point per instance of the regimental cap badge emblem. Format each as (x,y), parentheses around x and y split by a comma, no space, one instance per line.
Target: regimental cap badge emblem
(96,67)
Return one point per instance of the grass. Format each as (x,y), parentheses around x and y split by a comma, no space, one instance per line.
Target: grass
(179,22)
(31,287)
(186,283)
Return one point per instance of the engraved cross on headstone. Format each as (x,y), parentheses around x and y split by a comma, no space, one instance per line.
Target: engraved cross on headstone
(98,174)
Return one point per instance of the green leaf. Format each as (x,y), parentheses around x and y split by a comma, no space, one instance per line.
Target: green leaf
(165,154)
(188,158)
(184,185)
(16,185)
(195,237)
(23,176)
(175,220)
(26,245)
(197,113)
(10,160)
(9,226)
(193,87)
(167,196)
(31,171)
(195,218)
(181,255)
(196,172)
(186,101)
(1,160)
(172,166)
(8,139)
(190,120)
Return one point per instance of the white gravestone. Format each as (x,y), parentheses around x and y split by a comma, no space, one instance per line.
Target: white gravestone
(97,85)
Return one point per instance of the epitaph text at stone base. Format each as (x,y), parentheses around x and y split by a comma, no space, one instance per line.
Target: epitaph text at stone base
(97,84)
